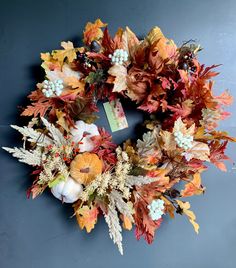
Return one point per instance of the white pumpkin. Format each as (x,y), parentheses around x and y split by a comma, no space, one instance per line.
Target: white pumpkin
(67,191)
(77,135)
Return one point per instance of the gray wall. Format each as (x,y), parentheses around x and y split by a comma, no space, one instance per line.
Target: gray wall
(40,233)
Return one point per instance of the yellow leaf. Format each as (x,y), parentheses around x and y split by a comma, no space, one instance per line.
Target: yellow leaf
(154,35)
(61,120)
(185,206)
(74,82)
(45,56)
(193,187)
(120,73)
(68,53)
(93,31)
(87,217)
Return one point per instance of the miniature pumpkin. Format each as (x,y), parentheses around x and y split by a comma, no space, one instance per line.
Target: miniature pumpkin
(83,132)
(85,167)
(67,191)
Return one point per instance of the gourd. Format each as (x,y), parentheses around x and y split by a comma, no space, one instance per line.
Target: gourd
(83,133)
(67,191)
(85,167)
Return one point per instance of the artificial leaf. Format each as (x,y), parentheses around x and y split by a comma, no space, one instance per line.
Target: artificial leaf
(224,98)
(182,110)
(61,120)
(145,226)
(184,208)
(179,126)
(154,35)
(39,106)
(193,187)
(120,73)
(199,150)
(68,53)
(168,140)
(93,31)
(87,217)
(127,223)
(217,154)
(129,41)
(169,207)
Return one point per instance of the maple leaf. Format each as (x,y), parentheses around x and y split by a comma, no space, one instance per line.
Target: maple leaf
(184,208)
(68,53)
(199,150)
(105,148)
(39,106)
(193,187)
(179,126)
(120,73)
(169,143)
(182,110)
(217,154)
(224,98)
(129,41)
(154,35)
(145,226)
(93,31)
(86,217)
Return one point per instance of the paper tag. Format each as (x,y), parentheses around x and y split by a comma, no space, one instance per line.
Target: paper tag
(115,115)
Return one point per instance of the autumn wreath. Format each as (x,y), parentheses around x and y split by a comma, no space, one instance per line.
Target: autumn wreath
(135,183)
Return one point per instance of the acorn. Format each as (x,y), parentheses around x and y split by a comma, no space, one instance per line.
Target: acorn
(183,66)
(95,46)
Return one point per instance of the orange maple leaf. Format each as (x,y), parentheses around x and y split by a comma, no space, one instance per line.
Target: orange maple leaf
(87,217)
(193,187)
(93,31)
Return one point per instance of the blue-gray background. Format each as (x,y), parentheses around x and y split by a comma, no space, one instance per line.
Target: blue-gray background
(40,233)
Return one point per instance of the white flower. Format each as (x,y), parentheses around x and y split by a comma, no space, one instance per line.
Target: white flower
(119,56)
(156,209)
(83,132)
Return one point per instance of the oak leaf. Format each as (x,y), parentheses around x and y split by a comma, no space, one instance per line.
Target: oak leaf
(87,217)
(68,53)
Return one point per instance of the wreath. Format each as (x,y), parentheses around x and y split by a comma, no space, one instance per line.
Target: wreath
(138,182)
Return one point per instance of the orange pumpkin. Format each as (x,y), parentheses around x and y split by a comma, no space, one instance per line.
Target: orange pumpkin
(85,167)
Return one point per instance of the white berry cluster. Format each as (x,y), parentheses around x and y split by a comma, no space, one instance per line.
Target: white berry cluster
(119,56)
(52,88)
(183,141)
(156,209)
